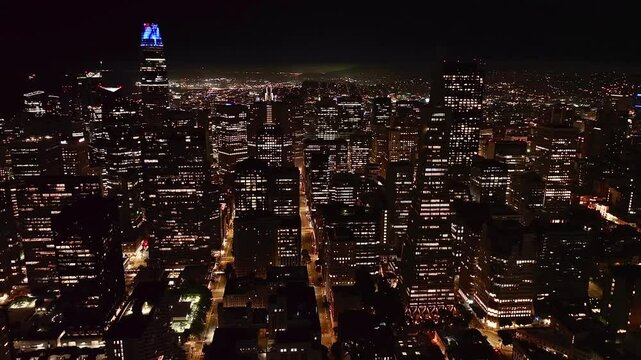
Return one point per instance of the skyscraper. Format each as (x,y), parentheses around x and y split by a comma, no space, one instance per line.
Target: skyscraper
(178,195)
(154,84)
(428,254)
(382,112)
(556,148)
(327,119)
(459,88)
(322,159)
(399,187)
(563,266)
(270,144)
(283,191)
(122,172)
(89,263)
(488,181)
(360,150)
(505,285)
(229,131)
(38,199)
(250,187)
(403,133)
(350,111)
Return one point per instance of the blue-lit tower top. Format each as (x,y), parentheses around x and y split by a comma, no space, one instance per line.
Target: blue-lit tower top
(151,35)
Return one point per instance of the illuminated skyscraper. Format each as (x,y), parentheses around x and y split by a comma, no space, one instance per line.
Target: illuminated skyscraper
(328,120)
(403,134)
(122,172)
(556,148)
(428,254)
(154,84)
(360,150)
(265,116)
(350,111)
(322,159)
(459,88)
(399,188)
(178,195)
(355,240)
(270,144)
(229,135)
(283,191)
(382,111)
(488,181)
(505,286)
(38,199)
(250,187)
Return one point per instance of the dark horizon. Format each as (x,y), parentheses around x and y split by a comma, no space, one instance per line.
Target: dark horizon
(51,39)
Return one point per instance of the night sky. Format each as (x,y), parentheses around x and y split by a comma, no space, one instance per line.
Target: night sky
(51,37)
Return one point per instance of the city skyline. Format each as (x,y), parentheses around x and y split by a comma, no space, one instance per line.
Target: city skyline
(342,212)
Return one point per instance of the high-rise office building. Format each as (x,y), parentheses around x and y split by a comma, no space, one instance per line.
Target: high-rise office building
(283,188)
(344,188)
(360,150)
(403,133)
(468,220)
(270,145)
(10,273)
(250,187)
(288,241)
(350,111)
(562,260)
(328,120)
(505,285)
(154,84)
(255,243)
(178,196)
(399,187)
(354,236)
(229,132)
(488,181)
(122,172)
(459,88)
(278,115)
(382,112)
(526,193)
(556,148)
(322,159)
(37,200)
(89,263)
(428,254)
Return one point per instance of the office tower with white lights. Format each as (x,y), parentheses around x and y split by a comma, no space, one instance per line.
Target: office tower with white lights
(270,144)
(459,88)
(37,200)
(381,115)
(228,135)
(505,285)
(178,196)
(399,187)
(428,254)
(556,150)
(488,181)
(350,111)
(328,120)
(360,150)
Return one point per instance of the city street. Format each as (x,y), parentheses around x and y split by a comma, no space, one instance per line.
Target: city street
(194,348)
(309,243)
